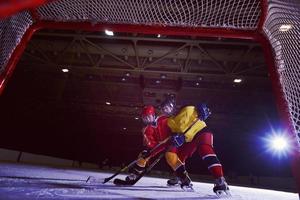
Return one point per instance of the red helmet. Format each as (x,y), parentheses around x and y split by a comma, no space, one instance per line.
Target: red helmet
(148,110)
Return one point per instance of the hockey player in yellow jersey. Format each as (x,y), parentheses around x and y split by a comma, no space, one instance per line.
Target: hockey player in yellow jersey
(191,134)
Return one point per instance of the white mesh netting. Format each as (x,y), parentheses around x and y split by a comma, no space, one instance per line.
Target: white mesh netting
(282,28)
(12,30)
(240,14)
(236,14)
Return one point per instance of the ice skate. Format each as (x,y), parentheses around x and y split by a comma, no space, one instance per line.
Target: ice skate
(186,183)
(175,181)
(187,186)
(135,172)
(131,177)
(221,188)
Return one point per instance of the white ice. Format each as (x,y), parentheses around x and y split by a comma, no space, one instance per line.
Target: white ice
(19,181)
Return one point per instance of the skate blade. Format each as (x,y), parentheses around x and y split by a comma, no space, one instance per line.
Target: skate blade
(188,189)
(223,194)
(176,185)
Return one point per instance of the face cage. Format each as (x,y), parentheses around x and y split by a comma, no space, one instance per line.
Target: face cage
(168,109)
(148,119)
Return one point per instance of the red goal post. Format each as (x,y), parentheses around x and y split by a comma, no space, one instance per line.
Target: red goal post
(272,23)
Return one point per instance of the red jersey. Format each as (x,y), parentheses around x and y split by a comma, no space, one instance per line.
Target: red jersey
(153,134)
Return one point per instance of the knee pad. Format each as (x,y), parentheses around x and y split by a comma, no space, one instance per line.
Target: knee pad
(211,160)
(213,165)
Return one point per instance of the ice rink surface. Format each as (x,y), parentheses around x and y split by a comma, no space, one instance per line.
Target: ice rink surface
(19,181)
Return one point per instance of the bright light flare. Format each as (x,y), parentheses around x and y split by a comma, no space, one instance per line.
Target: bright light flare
(109,32)
(237,80)
(279,144)
(285,27)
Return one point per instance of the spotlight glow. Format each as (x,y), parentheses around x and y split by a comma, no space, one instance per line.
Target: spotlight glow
(237,80)
(163,76)
(278,144)
(109,33)
(285,27)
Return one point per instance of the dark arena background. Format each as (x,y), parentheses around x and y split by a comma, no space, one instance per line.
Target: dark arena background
(75,75)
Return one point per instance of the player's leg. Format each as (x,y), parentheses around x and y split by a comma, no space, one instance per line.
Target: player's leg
(137,169)
(176,159)
(208,155)
(173,162)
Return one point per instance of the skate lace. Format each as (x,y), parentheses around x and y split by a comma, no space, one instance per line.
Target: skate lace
(220,181)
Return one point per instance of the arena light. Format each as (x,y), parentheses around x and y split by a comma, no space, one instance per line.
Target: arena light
(237,80)
(285,27)
(108,103)
(278,143)
(163,76)
(65,70)
(109,33)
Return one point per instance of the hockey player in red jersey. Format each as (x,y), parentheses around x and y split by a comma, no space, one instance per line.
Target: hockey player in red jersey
(155,131)
(192,134)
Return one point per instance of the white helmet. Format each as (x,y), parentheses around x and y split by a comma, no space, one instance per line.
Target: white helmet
(168,106)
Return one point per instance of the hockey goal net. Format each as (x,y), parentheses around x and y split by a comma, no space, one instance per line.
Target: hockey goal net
(274,20)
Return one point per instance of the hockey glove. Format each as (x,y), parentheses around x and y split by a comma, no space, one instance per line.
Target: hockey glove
(178,140)
(203,111)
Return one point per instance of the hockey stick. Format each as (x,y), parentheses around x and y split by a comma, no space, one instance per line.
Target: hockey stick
(133,162)
(120,171)
(146,171)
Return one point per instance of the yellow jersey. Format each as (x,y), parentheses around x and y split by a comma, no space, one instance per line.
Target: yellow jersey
(187,122)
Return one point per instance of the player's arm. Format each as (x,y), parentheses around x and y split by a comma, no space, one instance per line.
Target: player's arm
(203,111)
(149,139)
